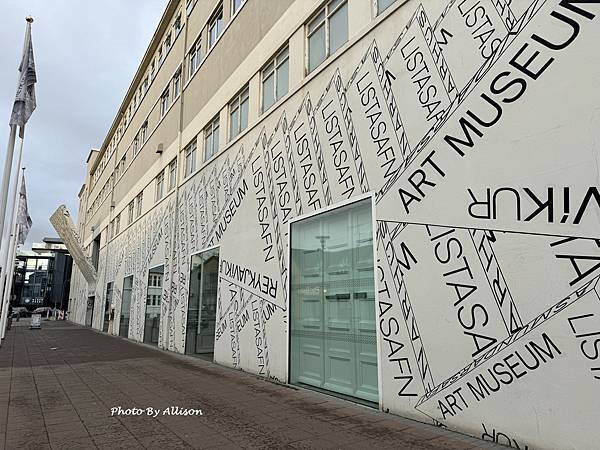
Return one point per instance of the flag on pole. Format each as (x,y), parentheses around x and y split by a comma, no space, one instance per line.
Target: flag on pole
(25,97)
(23,219)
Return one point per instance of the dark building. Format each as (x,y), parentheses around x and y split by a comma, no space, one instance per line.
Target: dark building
(43,276)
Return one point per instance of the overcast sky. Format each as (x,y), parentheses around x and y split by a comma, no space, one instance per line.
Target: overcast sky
(86,53)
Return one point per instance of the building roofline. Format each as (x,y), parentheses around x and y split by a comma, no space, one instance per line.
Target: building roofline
(148,55)
(90,154)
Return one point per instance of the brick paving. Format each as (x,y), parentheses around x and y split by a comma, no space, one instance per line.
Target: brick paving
(58,385)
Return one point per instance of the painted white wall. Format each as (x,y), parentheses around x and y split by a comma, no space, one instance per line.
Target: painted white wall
(488,322)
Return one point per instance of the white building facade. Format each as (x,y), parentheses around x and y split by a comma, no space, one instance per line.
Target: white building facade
(392,202)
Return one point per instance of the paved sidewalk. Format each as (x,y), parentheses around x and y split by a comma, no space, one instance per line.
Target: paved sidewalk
(58,385)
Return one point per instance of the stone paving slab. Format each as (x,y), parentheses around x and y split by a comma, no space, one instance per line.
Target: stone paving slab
(58,385)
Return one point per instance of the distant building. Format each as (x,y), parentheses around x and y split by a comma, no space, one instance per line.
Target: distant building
(43,275)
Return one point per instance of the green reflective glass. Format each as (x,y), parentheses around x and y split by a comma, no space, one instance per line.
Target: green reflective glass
(332,331)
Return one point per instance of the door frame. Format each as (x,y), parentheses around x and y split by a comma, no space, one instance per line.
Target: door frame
(205,249)
(144,299)
(288,287)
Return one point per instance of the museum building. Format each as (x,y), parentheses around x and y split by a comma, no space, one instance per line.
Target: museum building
(333,194)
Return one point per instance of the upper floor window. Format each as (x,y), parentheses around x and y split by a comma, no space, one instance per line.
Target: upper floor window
(211,139)
(164,102)
(152,67)
(159,186)
(190,158)
(143,134)
(117,224)
(130,211)
(177,83)
(238,113)
(160,55)
(189,6)
(172,174)
(382,5)
(139,200)
(275,79)
(215,26)
(168,43)
(327,32)
(194,57)
(236,5)
(177,24)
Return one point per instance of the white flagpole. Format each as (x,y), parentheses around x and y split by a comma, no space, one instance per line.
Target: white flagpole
(8,284)
(11,247)
(5,184)
(8,160)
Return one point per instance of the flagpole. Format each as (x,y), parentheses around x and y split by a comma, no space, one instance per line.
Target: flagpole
(6,243)
(11,247)
(8,160)
(8,285)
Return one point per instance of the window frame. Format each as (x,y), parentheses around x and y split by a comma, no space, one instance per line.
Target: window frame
(130,212)
(172,180)
(215,20)
(191,151)
(236,105)
(276,61)
(195,56)
(234,11)
(159,187)
(176,82)
(327,14)
(139,202)
(164,101)
(212,128)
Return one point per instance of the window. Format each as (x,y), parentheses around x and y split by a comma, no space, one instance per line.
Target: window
(235,5)
(134,146)
(160,55)
(194,57)
(117,224)
(275,79)
(238,114)
(130,209)
(211,139)
(111,229)
(145,85)
(177,83)
(382,5)
(168,42)
(143,134)
(190,158)
(327,32)
(138,204)
(160,186)
(177,24)
(189,6)
(164,102)
(172,174)
(215,26)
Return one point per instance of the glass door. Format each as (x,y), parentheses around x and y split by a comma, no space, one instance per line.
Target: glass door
(125,306)
(89,312)
(333,337)
(107,306)
(153,298)
(202,304)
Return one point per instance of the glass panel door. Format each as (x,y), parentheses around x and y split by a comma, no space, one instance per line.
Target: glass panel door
(89,312)
(107,306)
(333,338)
(202,304)
(153,298)
(125,307)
